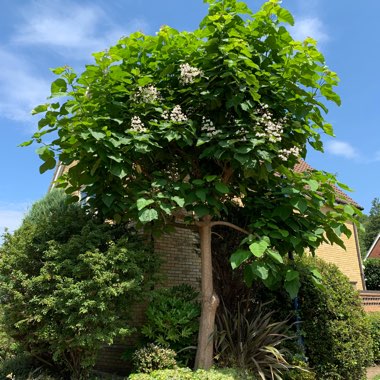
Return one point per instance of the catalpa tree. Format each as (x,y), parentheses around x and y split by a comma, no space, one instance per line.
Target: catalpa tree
(201,122)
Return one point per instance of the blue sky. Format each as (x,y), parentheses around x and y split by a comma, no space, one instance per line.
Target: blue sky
(36,35)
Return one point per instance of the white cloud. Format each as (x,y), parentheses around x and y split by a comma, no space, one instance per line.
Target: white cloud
(70,29)
(11,216)
(341,148)
(309,27)
(20,88)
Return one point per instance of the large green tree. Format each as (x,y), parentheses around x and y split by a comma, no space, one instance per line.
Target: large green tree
(372,225)
(204,121)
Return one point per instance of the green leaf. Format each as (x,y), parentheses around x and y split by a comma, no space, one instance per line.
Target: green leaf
(201,210)
(148,215)
(39,109)
(260,270)
(300,204)
(180,201)
(58,70)
(258,248)
(284,15)
(142,203)
(108,199)
(238,257)
(313,185)
(275,256)
(118,171)
(58,86)
(291,275)
(201,194)
(210,178)
(221,188)
(292,287)
(98,135)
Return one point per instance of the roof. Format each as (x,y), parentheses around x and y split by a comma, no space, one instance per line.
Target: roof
(342,197)
(372,247)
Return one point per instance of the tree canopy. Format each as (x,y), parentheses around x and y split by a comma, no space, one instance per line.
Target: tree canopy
(372,225)
(203,121)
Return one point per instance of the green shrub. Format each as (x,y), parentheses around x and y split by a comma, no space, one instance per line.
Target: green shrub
(249,338)
(374,319)
(68,282)
(372,274)
(152,357)
(187,374)
(172,319)
(335,329)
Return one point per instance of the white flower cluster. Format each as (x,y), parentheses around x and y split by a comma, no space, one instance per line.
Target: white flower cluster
(243,133)
(272,130)
(188,73)
(137,125)
(176,115)
(148,94)
(284,154)
(208,127)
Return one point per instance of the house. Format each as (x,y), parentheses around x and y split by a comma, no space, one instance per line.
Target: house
(349,260)
(374,251)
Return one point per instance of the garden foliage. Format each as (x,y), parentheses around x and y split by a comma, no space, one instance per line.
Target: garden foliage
(250,339)
(374,319)
(372,274)
(188,374)
(172,319)
(153,357)
(68,282)
(335,329)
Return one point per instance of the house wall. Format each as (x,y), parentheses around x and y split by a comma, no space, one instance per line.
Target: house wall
(348,261)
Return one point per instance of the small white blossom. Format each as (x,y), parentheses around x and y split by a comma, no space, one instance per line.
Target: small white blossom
(137,125)
(148,94)
(284,154)
(208,128)
(177,115)
(188,73)
(272,130)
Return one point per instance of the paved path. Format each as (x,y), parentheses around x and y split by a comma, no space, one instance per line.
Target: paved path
(372,372)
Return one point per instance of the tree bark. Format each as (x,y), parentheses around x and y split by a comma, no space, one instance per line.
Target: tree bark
(210,300)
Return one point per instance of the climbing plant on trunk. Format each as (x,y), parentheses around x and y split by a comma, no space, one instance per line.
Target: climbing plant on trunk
(203,121)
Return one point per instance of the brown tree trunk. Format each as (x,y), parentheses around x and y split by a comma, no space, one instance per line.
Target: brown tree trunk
(210,300)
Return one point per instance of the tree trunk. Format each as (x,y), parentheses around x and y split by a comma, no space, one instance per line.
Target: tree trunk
(210,300)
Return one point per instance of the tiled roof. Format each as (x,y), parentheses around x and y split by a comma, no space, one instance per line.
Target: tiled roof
(342,197)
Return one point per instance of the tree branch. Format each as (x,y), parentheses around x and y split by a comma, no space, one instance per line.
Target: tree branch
(227,224)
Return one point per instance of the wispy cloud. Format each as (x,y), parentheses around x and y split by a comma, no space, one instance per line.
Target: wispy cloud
(20,88)
(342,149)
(309,27)
(74,29)
(11,215)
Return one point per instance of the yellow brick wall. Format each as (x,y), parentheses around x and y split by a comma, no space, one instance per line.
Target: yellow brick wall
(347,260)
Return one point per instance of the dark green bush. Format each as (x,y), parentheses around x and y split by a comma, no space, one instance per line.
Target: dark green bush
(187,374)
(68,282)
(153,357)
(172,319)
(335,328)
(374,319)
(372,274)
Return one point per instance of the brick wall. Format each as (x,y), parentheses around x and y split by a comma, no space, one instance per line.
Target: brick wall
(179,252)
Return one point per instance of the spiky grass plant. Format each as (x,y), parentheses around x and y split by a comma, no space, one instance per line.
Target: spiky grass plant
(249,339)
